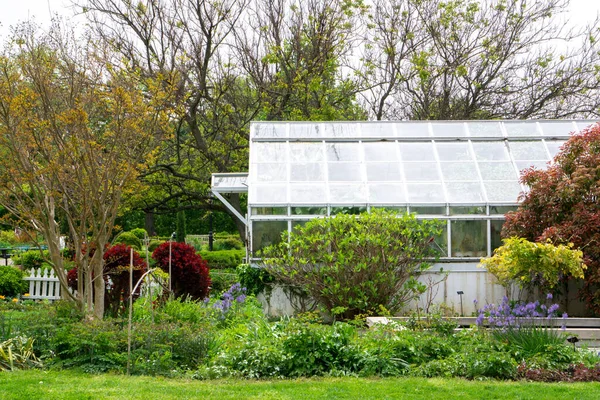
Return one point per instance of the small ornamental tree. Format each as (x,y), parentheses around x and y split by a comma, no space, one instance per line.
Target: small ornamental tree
(356,264)
(189,271)
(116,276)
(563,205)
(528,264)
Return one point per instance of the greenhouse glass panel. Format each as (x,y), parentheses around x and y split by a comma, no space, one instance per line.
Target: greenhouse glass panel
(470,210)
(269,152)
(440,242)
(454,152)
(417,151)
(468,238)
(425,193)
(554,146)
(496,229)
(267,194)
(459,171)
(344,172)
(308,193)
(348,210)
(413,129)
(502,191)
(558,128)
(347,193)
(377,130)
(465,192)
(305,131)
(380,151)
(485,129)
(271,172)
(340,130)
(446,129)
(270,131)
(501,210)
(306,152)
(521,165)
(269,210)
(307,172)
(584,125)
(309,210)
(520,129)
(490,151)
(266,233)
(523,151)
(497,171)
(397,209)
(419,172)
(383,172)
(428,210)
(387,193)
(342,151)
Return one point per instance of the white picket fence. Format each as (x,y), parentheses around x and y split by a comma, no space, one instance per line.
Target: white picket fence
(43,285)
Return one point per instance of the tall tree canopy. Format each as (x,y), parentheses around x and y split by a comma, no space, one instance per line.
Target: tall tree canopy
(563,205)
(74,130)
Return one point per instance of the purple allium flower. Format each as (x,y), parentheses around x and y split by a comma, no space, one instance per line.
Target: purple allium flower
(549,296)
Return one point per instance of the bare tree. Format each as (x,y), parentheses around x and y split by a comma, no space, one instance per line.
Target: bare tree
(477,60)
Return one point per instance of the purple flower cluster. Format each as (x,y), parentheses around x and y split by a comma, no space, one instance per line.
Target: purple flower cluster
(236,294)
(506,316)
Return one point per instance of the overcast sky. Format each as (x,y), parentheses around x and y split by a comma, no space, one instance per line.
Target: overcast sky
(14,11)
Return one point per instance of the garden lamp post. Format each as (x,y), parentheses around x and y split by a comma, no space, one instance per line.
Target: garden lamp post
(460,293)
(170,246)
(210,222)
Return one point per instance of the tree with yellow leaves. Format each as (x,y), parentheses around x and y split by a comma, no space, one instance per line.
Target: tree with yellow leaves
(74,129)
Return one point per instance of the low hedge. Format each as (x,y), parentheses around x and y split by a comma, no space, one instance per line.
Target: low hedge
(223,258)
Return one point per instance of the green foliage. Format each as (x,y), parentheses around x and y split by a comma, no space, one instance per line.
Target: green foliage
(228,244)
(222,279)
(11,281)
(140,233)
(17,353)
(31,259)
(527,264)
(181,229)
(154,244)
(356,262)
(130,239)
(223,258)
(8,238)
(255,280)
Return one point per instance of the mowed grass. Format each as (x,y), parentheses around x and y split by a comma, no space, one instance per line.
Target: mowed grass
(73,385)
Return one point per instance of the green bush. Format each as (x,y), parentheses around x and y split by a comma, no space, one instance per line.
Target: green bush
(223,258)
(228,244)
(129,239)
(356,264)
(11,281)
(8,238)
(31,259)
(154,244)
(140,233)
(255,280)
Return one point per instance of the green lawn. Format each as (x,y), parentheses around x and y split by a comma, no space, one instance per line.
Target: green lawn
(66,385)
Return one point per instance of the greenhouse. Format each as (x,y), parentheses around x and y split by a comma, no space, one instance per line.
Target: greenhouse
(463,172)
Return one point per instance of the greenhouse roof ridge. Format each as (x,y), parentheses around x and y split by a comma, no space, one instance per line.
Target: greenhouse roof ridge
(478,130)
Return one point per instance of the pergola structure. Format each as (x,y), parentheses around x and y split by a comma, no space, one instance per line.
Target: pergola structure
(463,172)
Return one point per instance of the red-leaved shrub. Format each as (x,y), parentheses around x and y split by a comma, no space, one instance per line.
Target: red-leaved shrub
(116,267)
(189,271)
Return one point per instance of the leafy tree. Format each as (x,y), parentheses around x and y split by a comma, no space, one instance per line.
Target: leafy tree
(356,264)
(529,265)
(189,272)
(74,129)
(466,59)
(562,206)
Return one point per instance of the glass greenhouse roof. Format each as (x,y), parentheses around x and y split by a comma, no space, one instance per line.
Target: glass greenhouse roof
(391,163)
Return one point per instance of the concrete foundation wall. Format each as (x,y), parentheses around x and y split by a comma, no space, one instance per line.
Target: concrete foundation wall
(444,281)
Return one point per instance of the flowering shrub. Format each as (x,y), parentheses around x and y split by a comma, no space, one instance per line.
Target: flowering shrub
(525,327)
(235,295)
(189,271)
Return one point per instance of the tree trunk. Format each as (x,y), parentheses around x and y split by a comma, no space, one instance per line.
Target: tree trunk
(149,222)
